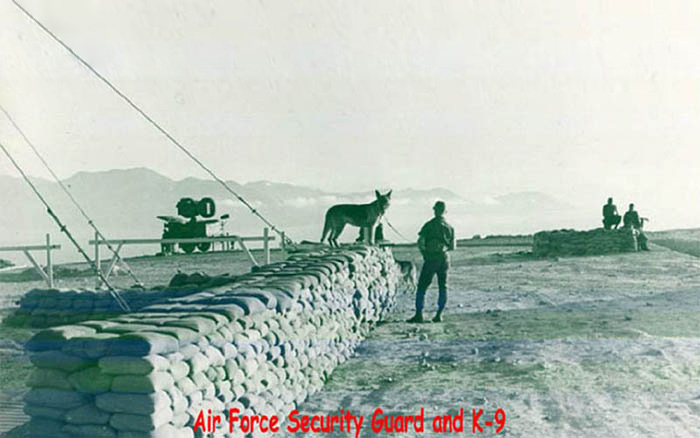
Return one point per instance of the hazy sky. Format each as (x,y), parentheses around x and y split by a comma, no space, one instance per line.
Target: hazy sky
(574,98)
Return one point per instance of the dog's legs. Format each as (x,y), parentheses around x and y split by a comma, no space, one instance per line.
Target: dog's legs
(326,229)
(331,237)
(335,233)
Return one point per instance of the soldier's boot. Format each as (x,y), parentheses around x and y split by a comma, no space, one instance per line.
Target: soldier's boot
(417,318)
(438,316)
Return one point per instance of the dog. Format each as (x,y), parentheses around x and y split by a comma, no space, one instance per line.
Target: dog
(359,215)
(409,274)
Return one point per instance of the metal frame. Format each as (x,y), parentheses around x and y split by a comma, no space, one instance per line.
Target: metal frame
(266,238)
(26,249)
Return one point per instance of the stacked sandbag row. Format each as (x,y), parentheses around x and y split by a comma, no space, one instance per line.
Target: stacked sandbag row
(579,243)
(261,345)
(52,307)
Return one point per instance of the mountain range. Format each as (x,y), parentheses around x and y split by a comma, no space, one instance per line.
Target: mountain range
(125,203)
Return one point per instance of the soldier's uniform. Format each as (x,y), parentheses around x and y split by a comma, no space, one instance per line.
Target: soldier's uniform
(611,219)
(436,238)
(632,220)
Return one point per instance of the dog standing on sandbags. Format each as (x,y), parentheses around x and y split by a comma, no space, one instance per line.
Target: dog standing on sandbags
(359,215)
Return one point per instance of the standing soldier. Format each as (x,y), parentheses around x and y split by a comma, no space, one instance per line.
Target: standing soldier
(632,220)
(435,239)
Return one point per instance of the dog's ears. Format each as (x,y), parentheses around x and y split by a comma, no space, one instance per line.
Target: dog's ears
(388,194)
(377,194)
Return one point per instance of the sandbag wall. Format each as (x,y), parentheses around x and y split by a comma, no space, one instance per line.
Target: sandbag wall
(42,308)
(262,345)
(577,243)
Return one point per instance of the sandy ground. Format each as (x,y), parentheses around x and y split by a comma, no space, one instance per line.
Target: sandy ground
(575,347)
(571,347)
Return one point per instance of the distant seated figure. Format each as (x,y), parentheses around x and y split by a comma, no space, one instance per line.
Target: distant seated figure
(611,219)
(633,221)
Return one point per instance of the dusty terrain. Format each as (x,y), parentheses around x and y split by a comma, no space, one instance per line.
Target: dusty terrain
(686,241)
(575,347)
(570,347)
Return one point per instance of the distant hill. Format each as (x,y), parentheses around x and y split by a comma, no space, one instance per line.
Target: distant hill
(531,200)
(125,203)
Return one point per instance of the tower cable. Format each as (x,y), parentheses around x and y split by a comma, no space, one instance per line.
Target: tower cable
(153,122)
(72,198)
(118,298)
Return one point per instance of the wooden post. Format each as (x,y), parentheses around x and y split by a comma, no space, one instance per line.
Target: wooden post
(266,245)
(283,240)
(113,263)
(38,267)
(246,250)
(49,264)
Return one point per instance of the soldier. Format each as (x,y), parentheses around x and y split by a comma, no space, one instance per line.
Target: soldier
(378,234)
(435,239)
(610,216)
(632,220)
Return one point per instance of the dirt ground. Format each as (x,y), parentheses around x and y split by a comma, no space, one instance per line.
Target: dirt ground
(570,347)
(575,347)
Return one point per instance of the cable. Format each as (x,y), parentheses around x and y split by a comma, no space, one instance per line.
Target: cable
(152,122)
(123,304)
(70,195)
(395,230)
